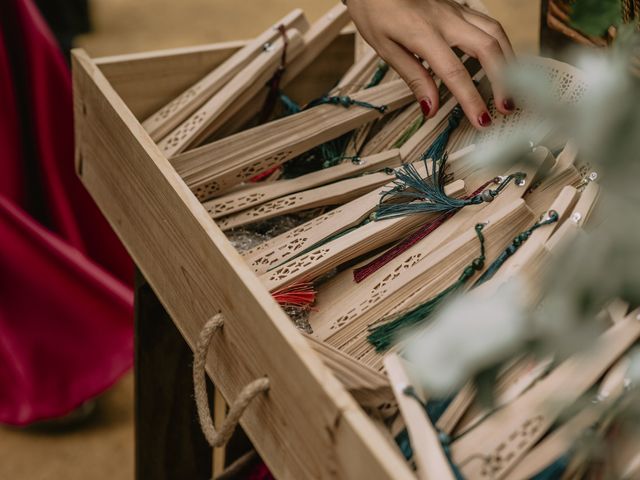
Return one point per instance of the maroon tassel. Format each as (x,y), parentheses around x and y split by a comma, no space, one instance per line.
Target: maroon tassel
(359,274)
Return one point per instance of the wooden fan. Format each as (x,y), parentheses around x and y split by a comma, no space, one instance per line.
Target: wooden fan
(493,448)
(218,166)
(322,32)
(327,195)
(334,308)
(431,461)
(561,440)
(175,112)
(534,258)
(278,250)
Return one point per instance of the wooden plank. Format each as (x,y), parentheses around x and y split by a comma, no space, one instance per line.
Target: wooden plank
(317,39)
(231,97)
(306,426)
(145,81)
(178,109)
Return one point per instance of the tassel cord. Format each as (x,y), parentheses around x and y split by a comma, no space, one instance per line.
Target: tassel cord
(413,194)
(515,245)
(382,336)
(445,440)
(346,102)
(359,274)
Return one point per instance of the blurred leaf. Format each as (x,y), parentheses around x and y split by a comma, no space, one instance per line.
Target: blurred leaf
(594,17)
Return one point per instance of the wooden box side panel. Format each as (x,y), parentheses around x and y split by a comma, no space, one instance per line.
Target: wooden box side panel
(147,81)
(323,74)
(298,425)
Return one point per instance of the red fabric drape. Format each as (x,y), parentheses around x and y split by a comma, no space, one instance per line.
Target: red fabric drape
(65,295)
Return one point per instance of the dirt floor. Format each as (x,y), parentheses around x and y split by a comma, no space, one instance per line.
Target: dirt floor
(103,447)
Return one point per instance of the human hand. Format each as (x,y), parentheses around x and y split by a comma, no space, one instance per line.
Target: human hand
(402,30)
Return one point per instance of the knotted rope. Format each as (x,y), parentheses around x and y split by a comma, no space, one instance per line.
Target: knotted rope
(248,393)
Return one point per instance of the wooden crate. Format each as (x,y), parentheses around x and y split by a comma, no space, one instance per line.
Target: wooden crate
(307,425)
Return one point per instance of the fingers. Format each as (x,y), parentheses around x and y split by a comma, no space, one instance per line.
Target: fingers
(450,69)
(414,74)
(491,27)
(488,51)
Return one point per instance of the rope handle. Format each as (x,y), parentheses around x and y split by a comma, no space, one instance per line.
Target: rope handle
(248,393)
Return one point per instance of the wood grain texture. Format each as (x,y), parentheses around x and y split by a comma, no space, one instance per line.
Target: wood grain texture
(173,113)
(307,426)
(218,166)
(144,81)
(232,96)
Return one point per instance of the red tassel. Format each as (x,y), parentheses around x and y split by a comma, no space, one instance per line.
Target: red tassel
(264,175)
(301,295)
(359,274)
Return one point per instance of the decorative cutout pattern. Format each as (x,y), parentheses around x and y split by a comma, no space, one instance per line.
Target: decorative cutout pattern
(221,206)
(206,190)
(181,134)
(179,102)
(507,451)
(302,262)
(568,87)
(293,241)
(268,209)
(262,165)
(377,292)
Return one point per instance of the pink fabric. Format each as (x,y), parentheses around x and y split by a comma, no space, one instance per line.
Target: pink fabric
(65,328)
(66,304)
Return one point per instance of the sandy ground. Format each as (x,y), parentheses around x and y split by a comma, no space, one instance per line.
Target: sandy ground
(103,447)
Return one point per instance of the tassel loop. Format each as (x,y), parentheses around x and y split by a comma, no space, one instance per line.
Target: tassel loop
(346,102)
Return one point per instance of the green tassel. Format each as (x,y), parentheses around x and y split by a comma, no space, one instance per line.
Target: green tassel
(346,102)
(383,336)
(290,106)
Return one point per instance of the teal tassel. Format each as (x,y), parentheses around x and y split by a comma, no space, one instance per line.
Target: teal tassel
(438,148)
(513,248)
(346,102)
(383,336)
(290,106)
(330,153)
(413,194)
(554,470)
(378,75)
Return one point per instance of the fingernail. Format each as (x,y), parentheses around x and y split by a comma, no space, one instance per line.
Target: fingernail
(509,104)
(425,105)
(485,119)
